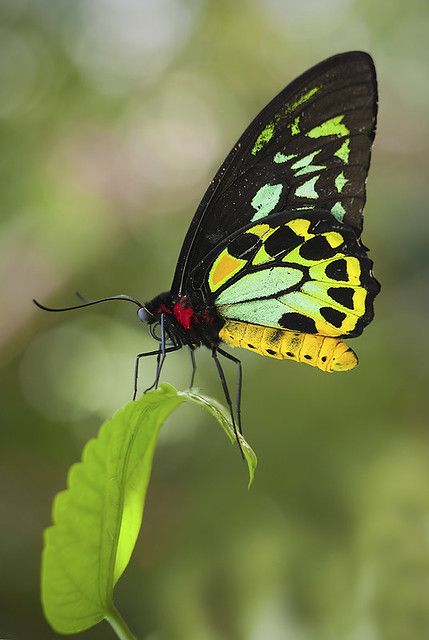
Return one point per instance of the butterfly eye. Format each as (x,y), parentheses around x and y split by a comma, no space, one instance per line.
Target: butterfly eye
(144,315)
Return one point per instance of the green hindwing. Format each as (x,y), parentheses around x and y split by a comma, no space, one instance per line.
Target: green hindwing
(299,270)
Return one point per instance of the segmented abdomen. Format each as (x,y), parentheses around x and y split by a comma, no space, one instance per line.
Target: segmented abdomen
(329,354)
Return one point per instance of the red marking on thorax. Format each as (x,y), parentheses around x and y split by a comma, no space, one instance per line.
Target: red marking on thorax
(164,309)
(184,314)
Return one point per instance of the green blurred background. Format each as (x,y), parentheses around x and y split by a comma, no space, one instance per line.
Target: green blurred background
(114,115)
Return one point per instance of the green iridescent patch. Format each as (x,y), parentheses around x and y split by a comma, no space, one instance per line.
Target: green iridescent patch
(340,182)
(344,151)
(264,137)
(267,313)
(264,283)
(265,200)
(268,132)
(294,126)
(307,189)
(280,157)
(304,98)
(331,127)
(338,211)
(303,166)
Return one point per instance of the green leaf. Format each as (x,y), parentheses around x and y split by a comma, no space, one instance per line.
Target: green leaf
(222,416)
(97,519)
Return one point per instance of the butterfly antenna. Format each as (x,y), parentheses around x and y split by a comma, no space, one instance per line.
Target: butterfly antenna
(88,303)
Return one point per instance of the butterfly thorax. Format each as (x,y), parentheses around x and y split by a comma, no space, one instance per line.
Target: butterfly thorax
(187,322)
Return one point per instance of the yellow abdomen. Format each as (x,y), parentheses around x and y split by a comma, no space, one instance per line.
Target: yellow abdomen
(329,354)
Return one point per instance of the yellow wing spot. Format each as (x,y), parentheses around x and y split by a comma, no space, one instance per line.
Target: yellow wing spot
(359,298)
(334,238)
(261,257)
(262,230)
(224,267)
(325,329)
(353,270)
(300,227)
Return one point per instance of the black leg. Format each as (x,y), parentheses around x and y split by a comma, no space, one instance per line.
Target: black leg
(227,397)
(143,355)
(227,355)
(136,368)
(163,350)
(154,384)
(160,354)
(194,366)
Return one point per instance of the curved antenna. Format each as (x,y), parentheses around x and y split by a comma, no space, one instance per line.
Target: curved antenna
(89,303)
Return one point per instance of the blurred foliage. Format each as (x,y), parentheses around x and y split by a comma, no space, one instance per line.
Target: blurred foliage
(114,115)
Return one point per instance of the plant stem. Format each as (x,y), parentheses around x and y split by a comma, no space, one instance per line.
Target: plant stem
(119,625)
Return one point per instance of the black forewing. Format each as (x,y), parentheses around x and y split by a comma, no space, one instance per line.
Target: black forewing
(339,96)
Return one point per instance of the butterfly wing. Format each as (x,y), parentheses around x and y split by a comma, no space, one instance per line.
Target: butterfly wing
(299,270)
(309,147)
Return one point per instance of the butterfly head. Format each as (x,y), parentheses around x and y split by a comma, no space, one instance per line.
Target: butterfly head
(144,315)
(153,321)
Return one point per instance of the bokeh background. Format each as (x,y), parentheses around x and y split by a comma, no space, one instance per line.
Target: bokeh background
(114,115)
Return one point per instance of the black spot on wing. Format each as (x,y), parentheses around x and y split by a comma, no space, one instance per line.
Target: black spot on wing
(337,270)
(298,322)
(317,248)
(284,239)
(343,295)
(333,316)
(367,277)
(243,243)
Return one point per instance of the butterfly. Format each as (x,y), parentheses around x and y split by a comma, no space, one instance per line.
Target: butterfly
(273,261)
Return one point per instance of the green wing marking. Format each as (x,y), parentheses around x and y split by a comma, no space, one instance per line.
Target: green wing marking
(322,140)
(302,271)
(268,131)
(309,148)
(270,281)
(265,200)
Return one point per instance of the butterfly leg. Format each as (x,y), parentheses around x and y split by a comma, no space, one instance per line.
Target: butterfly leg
(194,366)
(136,367)
(236,361)
(227,397)
(158,367)
(162,352)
